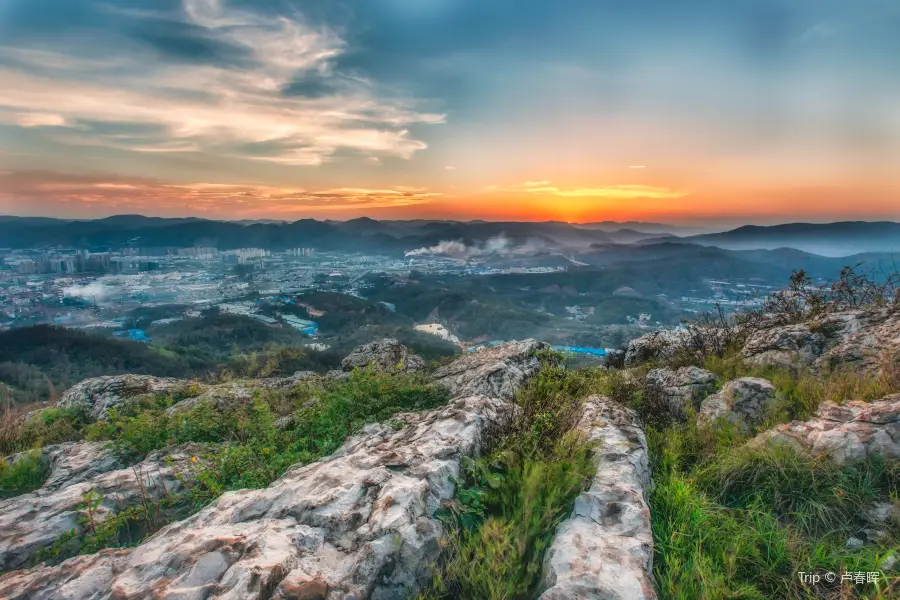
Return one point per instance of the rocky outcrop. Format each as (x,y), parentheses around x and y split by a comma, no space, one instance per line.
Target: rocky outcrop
(743,400)
(654,345)
(605,549)
(72,462)
(495,372)
(33,521)
(357,524)
(852,432)
(96,396)
(857,338)
(226,396)
(387,356)
(676,391)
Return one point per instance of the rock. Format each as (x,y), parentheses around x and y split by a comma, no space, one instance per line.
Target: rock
(605,548)
(33,521)
(226,396)
(96,396)
(889,563)
(654,345)
(884,512)
(854,543)
(337,375)
(358,524)
(283,383)
(75,579)
(874,535)
(71,462)
(743,400)
(847,433)
(856,338)
(678,390)
(497,372)
(387,356)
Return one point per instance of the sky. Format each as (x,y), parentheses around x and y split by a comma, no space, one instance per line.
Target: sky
(696,111)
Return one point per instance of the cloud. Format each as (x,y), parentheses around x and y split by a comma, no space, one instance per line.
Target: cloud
(39,120)
(612,192)
(48,190)
(259,87)
(637,167)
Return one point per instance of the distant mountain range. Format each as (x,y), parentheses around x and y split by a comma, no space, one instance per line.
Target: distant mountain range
(422,237)
(830,239)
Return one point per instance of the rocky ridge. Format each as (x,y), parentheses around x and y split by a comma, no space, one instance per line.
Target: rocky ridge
(495,372)
(844,433)
(605,548)
(34,521)
(356,524)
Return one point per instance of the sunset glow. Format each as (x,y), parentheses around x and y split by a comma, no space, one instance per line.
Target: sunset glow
(734,112)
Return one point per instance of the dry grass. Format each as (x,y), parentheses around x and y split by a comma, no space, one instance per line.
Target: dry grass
(12,426)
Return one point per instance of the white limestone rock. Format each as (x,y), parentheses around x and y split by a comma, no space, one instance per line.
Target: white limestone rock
(357,524)
(497,372)
(743,400)
(605,549)
(33,521)
(680,389)
(848,433)
(387,355)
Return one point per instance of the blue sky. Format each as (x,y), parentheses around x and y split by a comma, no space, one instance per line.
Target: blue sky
(760,110)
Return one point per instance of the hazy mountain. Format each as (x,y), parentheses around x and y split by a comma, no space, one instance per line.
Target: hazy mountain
(831,239)
(396,237)
(611,226)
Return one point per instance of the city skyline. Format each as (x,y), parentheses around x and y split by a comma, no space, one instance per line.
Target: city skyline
(700,113)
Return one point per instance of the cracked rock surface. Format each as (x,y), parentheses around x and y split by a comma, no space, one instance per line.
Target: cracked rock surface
(742,400)
(495,372)
(33,521)
(855,338)
(357,524)
(387,356)
(604,550)
(679,389)
(851,432)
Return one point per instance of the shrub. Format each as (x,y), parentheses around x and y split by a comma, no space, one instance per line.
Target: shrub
(49,426)
(24,475)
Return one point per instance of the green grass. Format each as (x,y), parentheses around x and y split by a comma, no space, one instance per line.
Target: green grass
(247,450)
(509,503)
(22,476)
(49,426)
(730,521)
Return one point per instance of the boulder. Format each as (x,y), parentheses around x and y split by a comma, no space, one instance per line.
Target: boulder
(743,400)
(225,396)
(497,371)
(605,548)
(33,521)
(387,356)
(852,432)
(96,396)
(357,524)
(654,345)
(857,338)
(675,391)
(72,462)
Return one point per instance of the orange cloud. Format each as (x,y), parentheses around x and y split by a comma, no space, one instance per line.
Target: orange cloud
(613,192)
(216,200)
